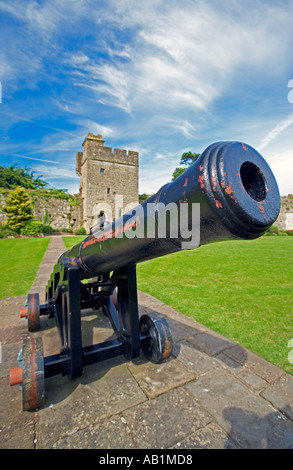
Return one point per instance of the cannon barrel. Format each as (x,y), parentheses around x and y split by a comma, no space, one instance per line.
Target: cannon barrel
(238,198)
(229,192)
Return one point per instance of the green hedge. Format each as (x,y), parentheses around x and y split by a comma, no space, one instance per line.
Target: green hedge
(80,231)
(34,227)
(274,230)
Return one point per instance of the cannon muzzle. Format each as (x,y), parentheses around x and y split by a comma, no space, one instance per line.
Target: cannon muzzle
(236,195)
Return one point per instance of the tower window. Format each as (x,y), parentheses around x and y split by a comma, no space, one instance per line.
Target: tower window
(102,170)
(108,190)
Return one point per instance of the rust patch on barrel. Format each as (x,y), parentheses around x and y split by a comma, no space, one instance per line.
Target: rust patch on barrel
(200,180)
(214,182)
(262,209)
(229,189)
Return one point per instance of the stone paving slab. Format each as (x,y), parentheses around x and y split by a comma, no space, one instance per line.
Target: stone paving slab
(250,421)
(166,420)
(210,394)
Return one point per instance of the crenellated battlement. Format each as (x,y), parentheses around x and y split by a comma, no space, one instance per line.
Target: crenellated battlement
(118,155)
(93,148)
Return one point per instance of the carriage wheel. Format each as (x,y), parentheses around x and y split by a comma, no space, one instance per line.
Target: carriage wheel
(33,313)
(33,375)
(160,343)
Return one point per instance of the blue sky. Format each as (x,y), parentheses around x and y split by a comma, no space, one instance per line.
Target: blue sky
(157,77)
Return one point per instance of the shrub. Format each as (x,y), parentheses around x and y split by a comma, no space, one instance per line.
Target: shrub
(81,231)
(47,229)
(270,234)
(34,227)
(19,209)
(274,230)
(6,232)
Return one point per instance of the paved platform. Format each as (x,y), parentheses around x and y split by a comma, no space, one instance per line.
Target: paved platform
(211,393)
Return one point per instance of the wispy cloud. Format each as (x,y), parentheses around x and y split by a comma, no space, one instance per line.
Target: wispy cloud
(273,134)
(37,159)
(21,118)
(155,75)
(45,17)
(183,126)
(281,164)
(54,172)
(97,128)
(65,178)
(180,60)
(5,67)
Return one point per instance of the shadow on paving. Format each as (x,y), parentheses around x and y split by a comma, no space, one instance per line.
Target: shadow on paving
(96,328)
(258,432)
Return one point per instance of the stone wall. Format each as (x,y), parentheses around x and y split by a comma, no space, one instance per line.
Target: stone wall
(285,219)
(58,213)
(54,211)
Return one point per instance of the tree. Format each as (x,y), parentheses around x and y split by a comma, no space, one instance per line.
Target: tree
(187,159)
(19,209)
(12,176)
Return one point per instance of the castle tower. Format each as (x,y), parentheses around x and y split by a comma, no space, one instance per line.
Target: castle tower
(108,181)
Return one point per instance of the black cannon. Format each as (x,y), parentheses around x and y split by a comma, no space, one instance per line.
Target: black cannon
(228,193)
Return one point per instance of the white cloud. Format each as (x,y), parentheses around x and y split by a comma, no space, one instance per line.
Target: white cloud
(281,164)
(278,129)
(46,17)
(58,177)
(184,56)
(5,67)
(97,128)
(44,160)
(78,59)
(119,50)
(53,172)
(108,82)
(186,128)
(151,180)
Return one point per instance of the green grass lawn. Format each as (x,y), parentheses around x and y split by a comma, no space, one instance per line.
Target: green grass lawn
(240,289)
(20,260)
(71,241)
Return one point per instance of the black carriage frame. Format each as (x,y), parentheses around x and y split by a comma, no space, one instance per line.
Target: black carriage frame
(67,296)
